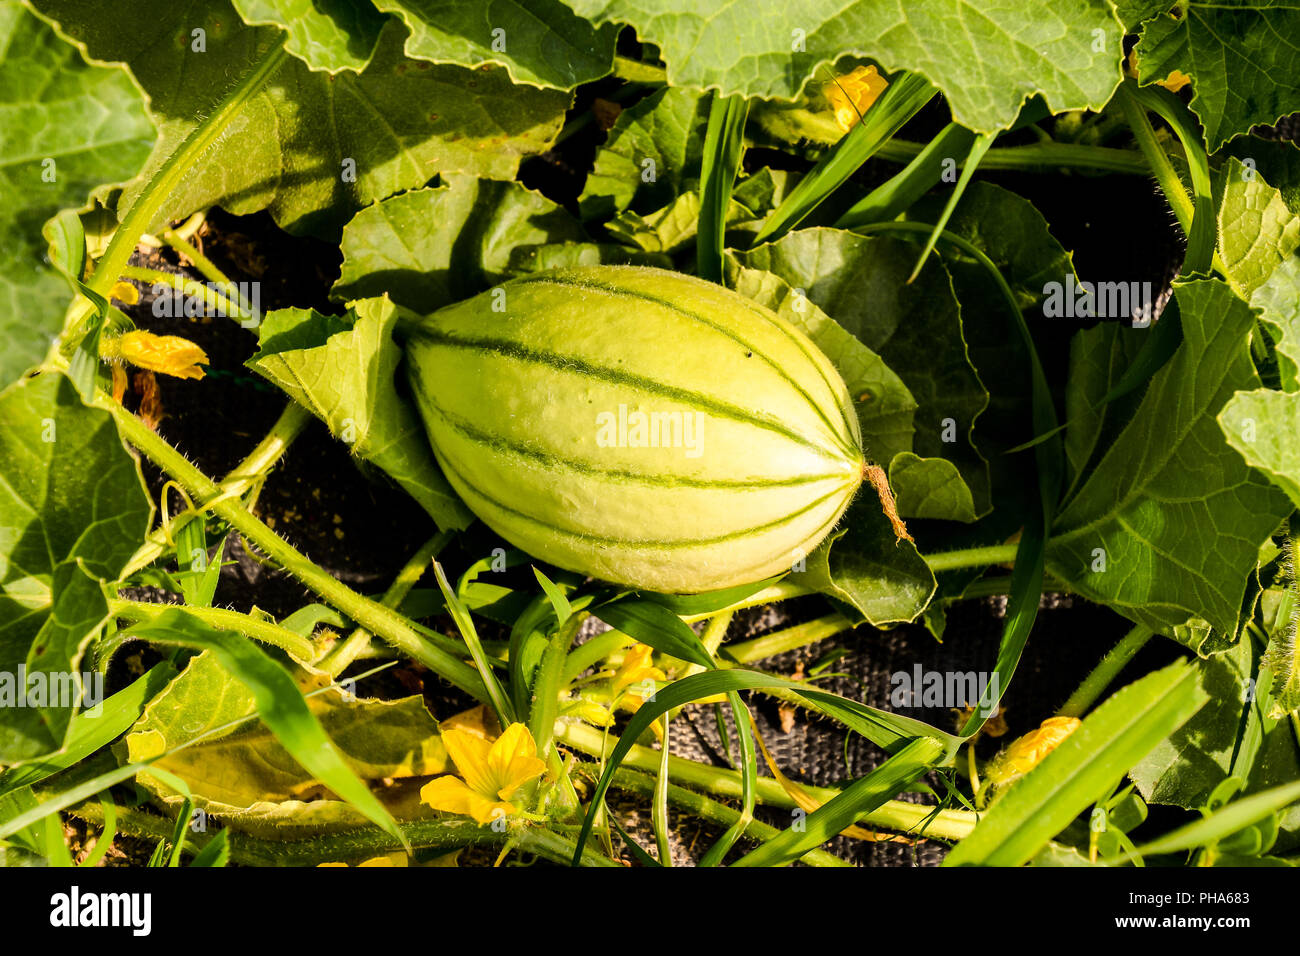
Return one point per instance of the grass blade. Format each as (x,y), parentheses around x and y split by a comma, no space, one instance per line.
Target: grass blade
(977,151)
(862,796)
(1087,764)
(657,626)
(505,713)
(1233,817)
(87,733)
(886,730)
(902,100)
(724,141)
(888,200)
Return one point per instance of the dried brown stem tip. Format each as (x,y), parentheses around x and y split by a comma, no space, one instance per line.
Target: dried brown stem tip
(876,477)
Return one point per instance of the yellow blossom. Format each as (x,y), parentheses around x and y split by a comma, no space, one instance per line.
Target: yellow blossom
(169,354)
(125,292)
(1025,753)
(636,667)
(1175,81)
(390,859)
(492,772)
(851,95)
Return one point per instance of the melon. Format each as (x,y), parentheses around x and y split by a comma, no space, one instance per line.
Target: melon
(638,425)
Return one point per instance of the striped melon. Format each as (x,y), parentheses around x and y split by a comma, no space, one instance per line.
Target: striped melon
(638,425)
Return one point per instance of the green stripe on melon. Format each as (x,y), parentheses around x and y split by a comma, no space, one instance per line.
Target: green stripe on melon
(531,412)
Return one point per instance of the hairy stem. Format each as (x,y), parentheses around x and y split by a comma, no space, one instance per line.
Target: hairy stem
(380,620)
(138,612)
(1106,671)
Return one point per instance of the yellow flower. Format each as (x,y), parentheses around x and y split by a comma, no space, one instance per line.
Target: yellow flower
(493,772)
(1025,753)
(636,669)
(391,859)
(851,95)
(125,292)
(169,354)
(1175,81)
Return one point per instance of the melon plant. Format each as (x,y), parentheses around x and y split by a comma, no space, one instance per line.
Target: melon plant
(413,414)
(638,425)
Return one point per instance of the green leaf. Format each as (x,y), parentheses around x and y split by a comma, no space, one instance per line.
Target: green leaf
(1068,50)
(930,488)
(431,247)
(390,127)
(1185,767)
(68,128)
(329,35)
(1083,768)
(1278,300)
(1099,357)
(277,700)
(657,626)
(92,729)
(652,155)
(344,376)
(1133,12)
(540,42)
(242,774)
(1257,232)
(862,565)
(1222,823)
(72,511)
(1261,426)
(1243,72)
(916,328)
(884,404)
(1172,511)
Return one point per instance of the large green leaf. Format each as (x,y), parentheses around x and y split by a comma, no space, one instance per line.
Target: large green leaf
(1262,425)
(883,580)
(1186,766)
(243,775)
(65,128)
(1241,56)
(312,148)
(280,704)
(1168,525)
(1257,231)
(885,405)
(1278,300)
(432,247)
(1068,50)
(1083,768)
(652,155)
(330,35)
(539,42)
(342,371)
(73,509)
(916,328)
